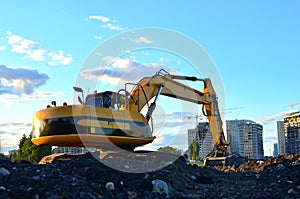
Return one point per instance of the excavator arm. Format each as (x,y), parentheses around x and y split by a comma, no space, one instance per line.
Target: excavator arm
(163,83)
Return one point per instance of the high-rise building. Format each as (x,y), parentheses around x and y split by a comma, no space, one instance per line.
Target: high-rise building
(275,149)
(281,137)
(246,138)
(202,135)
(292,132)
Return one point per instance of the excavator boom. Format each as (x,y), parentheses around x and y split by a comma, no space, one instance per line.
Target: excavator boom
(163,83)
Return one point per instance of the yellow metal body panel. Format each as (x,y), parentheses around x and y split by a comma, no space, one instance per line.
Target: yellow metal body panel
(90,140)
(104,124)
(80,110)
(90,118)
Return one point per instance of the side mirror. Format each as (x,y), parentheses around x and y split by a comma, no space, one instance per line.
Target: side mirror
(78,89)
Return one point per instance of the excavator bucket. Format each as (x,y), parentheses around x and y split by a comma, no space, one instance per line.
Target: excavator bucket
(223,161)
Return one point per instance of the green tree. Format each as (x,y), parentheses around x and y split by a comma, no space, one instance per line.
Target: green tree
(169,149)
(194,151)
(29,151)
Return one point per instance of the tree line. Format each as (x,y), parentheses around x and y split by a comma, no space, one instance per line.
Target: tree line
(33,153)
(29,151)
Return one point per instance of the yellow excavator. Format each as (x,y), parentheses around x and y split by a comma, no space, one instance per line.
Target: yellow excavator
(108,119)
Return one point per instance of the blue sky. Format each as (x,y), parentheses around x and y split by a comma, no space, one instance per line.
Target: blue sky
(254,45)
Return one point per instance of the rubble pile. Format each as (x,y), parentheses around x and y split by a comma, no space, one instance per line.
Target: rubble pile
(86,177)
(282,161)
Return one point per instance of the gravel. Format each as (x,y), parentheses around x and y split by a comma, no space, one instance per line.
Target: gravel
(86,177)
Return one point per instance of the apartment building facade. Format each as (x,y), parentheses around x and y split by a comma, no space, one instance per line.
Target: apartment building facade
(69,150)
(246,138)
(292,132)
(281,137)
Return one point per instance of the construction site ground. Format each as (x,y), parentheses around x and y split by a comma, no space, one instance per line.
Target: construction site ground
(88,178)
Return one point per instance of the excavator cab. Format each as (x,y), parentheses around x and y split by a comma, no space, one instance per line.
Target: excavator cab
(107,99)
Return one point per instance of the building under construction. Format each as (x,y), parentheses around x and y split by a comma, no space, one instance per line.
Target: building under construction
(203,136)
(292,132)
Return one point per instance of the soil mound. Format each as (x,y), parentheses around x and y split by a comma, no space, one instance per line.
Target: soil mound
(88,178)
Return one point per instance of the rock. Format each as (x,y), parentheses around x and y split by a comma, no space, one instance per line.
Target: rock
(280,166)
(160,187)
(265,189)
(131,194)
(260,163)
(4,171)
(292,191)
(36,178)
(110,186)
(204,180)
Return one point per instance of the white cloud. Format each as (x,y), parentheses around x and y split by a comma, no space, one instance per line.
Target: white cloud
(2,47)
(98,37)
(25,46)
(119,63)
(270,139)
(14,126)
(20,80)
(59,58)
(100,18)
(37,55)
(171,120)
(11,133)
(179,141)
(144,40)
(159,139)
(32,50)
(107,23)
(120,70)
(112,27)
(127,52)
(12,99)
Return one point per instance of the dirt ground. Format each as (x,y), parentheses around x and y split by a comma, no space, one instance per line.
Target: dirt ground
(87,177)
